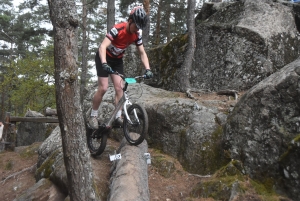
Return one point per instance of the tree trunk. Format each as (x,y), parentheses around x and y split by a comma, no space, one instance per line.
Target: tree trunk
(168,17)
(157,28)
(76,156)
(184,75)
(110,14)
(84,51)
(146,30)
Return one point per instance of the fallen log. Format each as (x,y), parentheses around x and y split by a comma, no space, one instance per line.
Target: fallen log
(129,176)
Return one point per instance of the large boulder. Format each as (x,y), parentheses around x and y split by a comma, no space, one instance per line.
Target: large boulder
(187,129)
(42,190)
(30,132)
(238,44)
(263,131)
(243,43)
(50,163)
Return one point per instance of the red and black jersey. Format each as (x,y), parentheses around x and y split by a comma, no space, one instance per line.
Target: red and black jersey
(121,39)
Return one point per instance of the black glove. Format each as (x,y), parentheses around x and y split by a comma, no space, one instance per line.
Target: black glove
(148,74)
(107,68)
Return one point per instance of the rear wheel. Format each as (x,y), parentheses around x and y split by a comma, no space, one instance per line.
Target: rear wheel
(96,140)
(136,128)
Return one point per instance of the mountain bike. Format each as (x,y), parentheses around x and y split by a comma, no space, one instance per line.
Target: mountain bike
(135,121)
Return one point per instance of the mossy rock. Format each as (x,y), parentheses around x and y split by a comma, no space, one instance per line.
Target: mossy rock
(164,166)
(45,169)
(230,181)
(210,158)
(234,168)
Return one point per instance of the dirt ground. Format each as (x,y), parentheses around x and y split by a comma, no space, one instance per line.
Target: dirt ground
(17,175)
(17,170)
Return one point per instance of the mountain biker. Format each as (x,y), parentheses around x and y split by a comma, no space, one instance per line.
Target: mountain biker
(109,58)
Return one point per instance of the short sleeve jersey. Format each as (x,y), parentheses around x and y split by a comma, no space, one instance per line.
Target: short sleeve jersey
(121,39)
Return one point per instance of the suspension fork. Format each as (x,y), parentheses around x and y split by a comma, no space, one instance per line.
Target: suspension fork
(127,103)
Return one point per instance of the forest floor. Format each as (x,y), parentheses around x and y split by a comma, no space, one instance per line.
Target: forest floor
(17,170)
(17,175)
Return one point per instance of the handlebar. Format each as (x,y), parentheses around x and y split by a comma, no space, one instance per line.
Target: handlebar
(123,77)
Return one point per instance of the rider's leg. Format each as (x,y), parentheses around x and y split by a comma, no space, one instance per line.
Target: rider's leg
(101,90)
(102,86)
(118,85)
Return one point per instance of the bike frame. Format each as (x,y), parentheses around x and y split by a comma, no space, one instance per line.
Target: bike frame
(124,101)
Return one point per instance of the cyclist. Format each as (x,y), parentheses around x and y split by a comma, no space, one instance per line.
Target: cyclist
(109,58)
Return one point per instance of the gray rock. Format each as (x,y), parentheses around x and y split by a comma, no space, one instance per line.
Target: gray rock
(30,132)
(42,190)
(263,130)
(238,44)
(247,41)
(50,161)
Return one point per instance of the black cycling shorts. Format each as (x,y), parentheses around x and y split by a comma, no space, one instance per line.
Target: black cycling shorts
(115,63)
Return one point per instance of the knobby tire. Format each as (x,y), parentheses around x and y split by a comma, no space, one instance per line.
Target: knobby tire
(96,141)
(135,133)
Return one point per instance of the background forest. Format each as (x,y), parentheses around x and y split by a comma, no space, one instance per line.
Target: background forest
(26,44)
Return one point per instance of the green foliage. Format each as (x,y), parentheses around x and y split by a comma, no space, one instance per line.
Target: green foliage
(4,20)
(30,82)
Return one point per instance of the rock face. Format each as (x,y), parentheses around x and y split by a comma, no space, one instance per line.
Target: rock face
(247,41)
(238,44)
(42,190)
(263,130)
(51,163)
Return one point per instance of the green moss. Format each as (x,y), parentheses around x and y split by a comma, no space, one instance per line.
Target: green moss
(216,188)
(211,154)
(265,188)
(297,138)
(169,54)
(233,168)
(221,184)
(46,168)
(164,166)
(291,148)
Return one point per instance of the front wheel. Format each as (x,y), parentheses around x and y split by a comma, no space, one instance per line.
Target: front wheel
(96,140)
(136,126)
